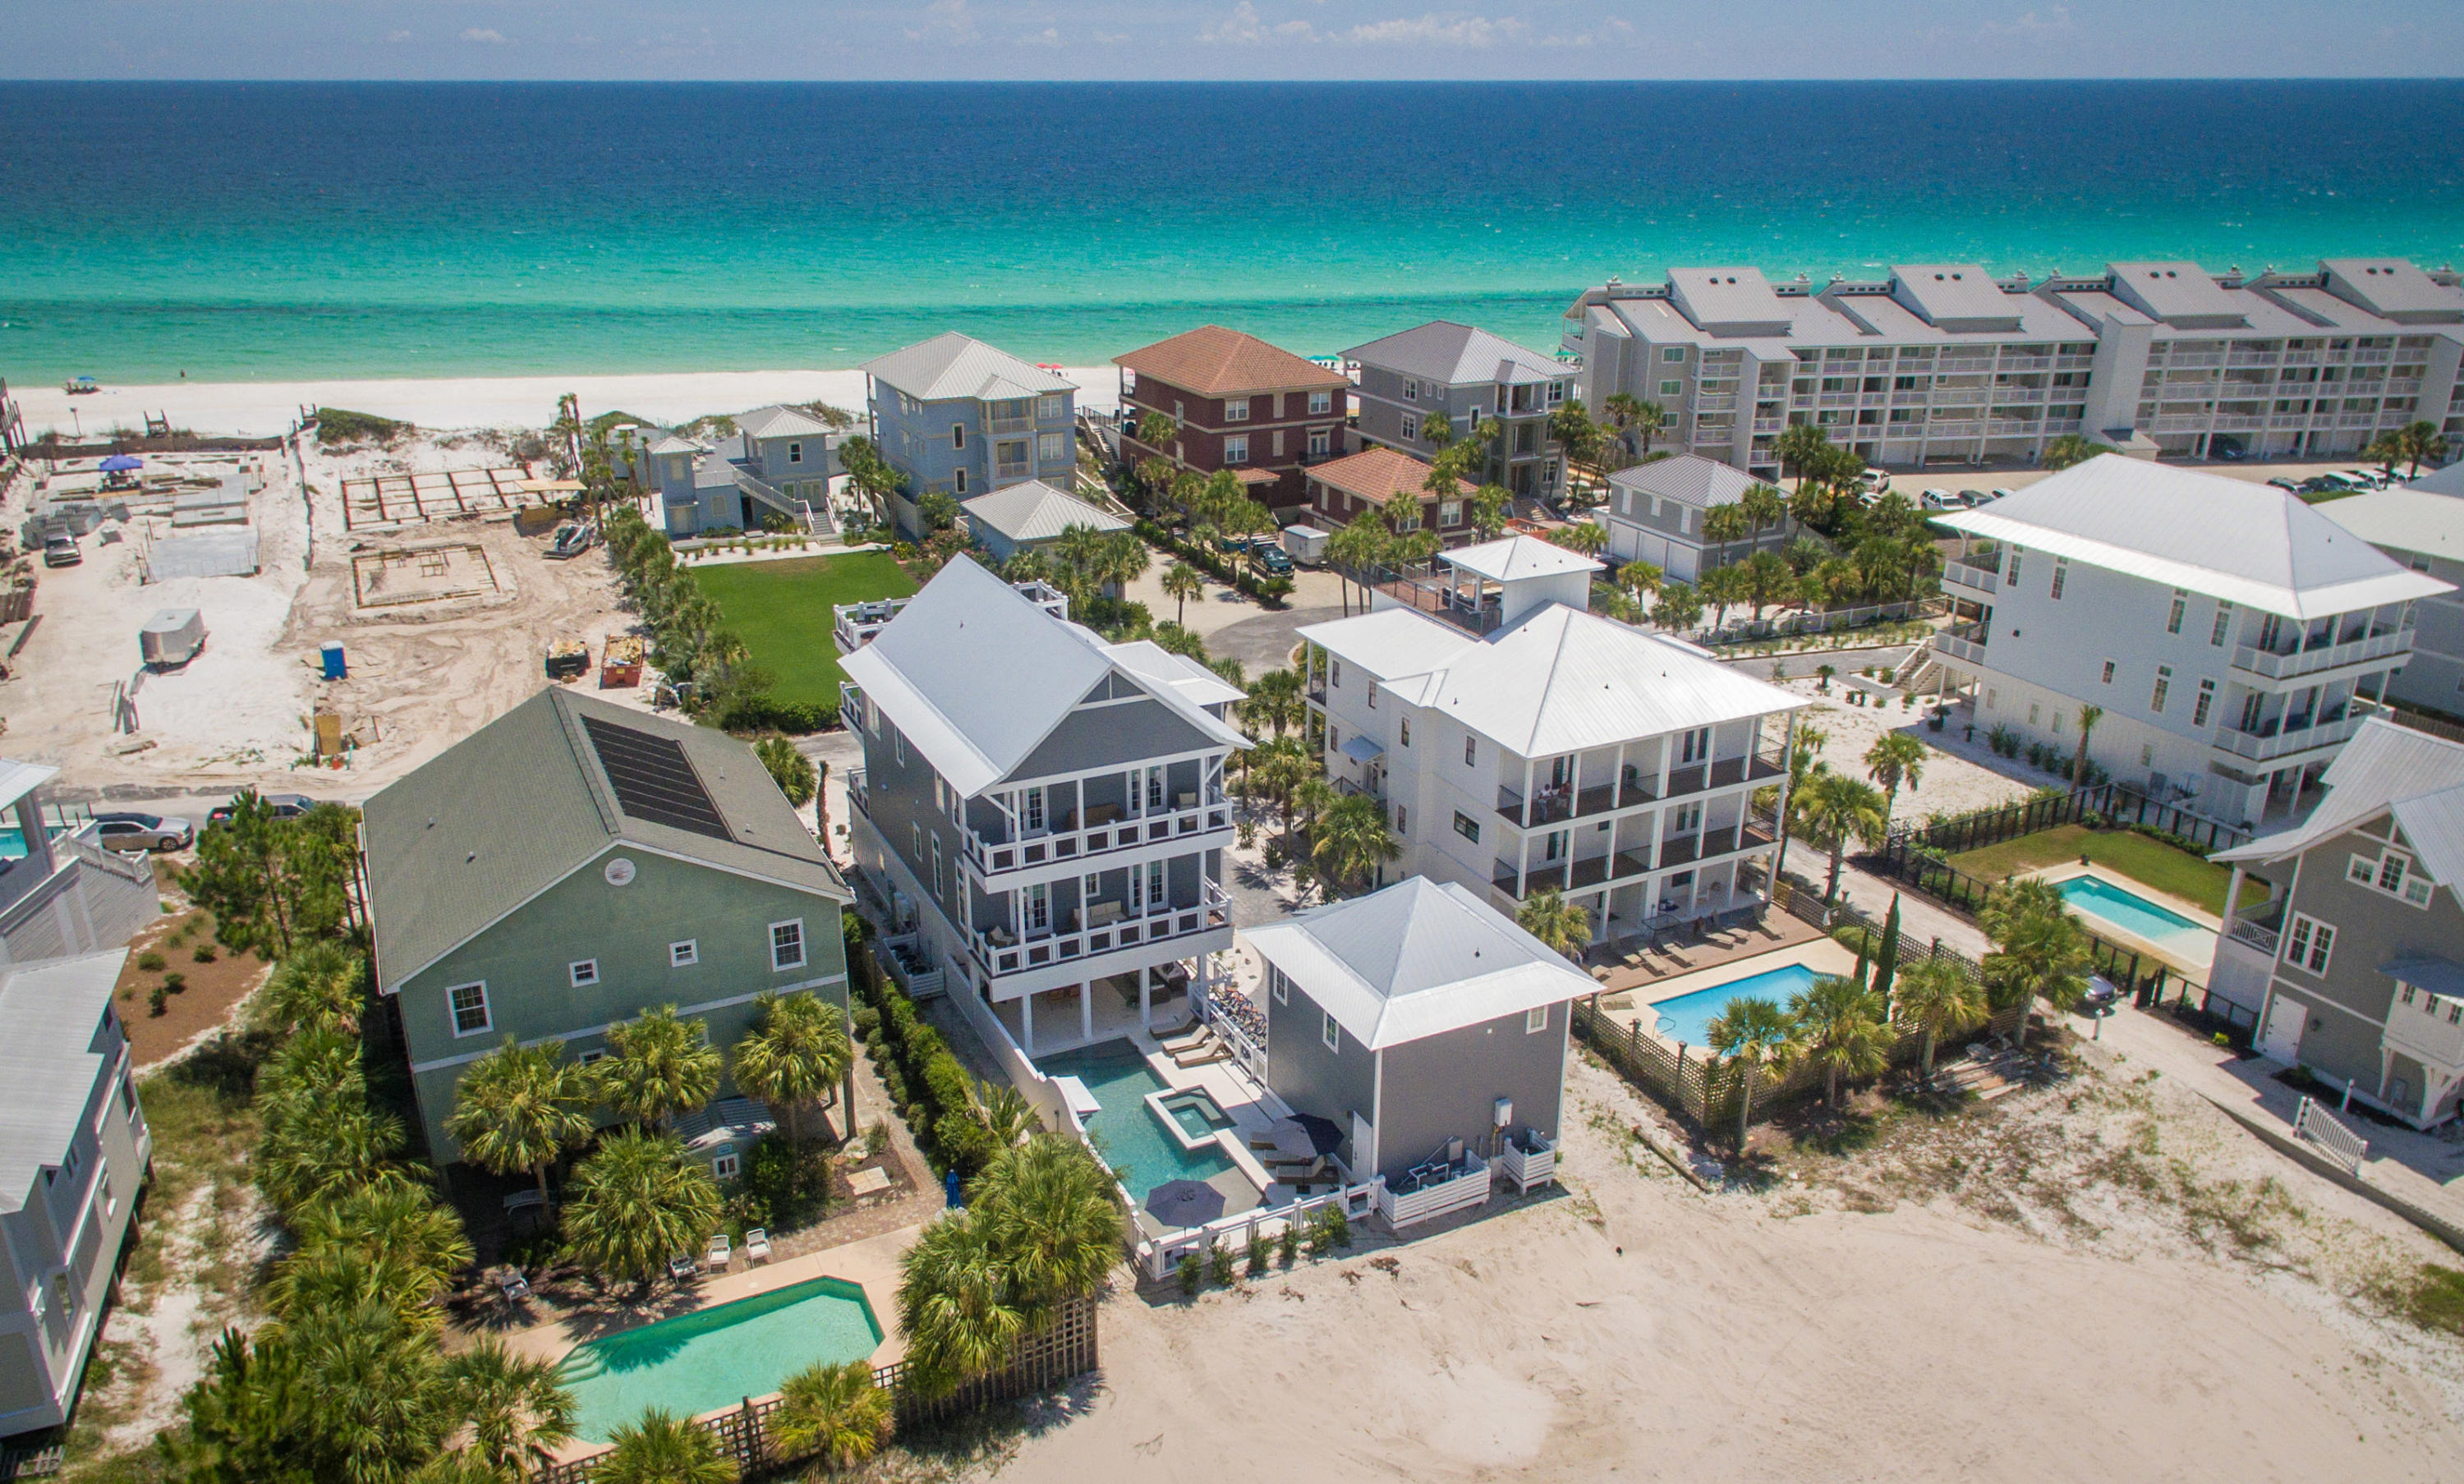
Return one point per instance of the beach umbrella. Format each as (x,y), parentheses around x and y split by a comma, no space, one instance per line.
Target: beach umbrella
(122,462)
(1185,1203)
(1323,1136)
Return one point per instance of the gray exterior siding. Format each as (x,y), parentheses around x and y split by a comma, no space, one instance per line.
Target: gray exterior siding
(1114,736)
(899,798)
(2433,677)
(1333,1084)
(1446,1087)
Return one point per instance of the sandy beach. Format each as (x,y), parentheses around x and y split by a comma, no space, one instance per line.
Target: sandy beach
(265,409)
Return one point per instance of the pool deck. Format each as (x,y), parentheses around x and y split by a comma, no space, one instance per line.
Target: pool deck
(1822,956)
(2192,953)
(871,1264)
(1250,1106)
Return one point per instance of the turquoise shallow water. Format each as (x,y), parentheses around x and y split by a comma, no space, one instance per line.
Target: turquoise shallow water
(1688,1018)
(1134,1143)
(275,230)
(699,1361)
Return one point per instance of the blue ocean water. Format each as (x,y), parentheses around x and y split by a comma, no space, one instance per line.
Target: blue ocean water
(248,231)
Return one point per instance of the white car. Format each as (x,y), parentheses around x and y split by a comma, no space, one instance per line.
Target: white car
(2000,494)
(1938,499)
(2362,479)
(143,832)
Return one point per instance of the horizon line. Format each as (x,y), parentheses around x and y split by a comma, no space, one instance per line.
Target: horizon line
(1461,83)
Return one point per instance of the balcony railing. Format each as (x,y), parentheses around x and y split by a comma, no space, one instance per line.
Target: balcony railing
(2301,735)
(2278,665)
(1012,424)
(1975,575)
(1959,647)
(1045,946)
(2246,932)
(1188,822)
(1017,471)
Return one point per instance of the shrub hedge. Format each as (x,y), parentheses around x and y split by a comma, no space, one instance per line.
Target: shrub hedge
(1270,591)
(934,1092)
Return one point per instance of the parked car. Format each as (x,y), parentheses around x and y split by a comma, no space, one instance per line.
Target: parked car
(61,551)
(572,539)
(1271,560)
(145,831)
(2000,494)
(2288,486)
(2320,484)
(2364,479)
(1938,499)
(1971,498)
(285,806)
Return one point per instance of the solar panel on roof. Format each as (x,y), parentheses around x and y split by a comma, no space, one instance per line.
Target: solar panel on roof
(653,779)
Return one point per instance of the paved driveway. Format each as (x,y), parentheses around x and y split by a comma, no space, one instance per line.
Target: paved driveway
(1264,642)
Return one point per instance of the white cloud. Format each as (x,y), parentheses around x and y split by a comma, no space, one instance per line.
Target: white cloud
(2054,20)
(1242,27)
(1046,37)
(484,37)
(1433,30)
(397,36)
(946,21)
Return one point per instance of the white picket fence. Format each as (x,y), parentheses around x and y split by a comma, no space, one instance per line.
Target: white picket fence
(2314,1122)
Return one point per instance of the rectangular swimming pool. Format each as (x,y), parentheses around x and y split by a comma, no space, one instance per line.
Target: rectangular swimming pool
(1135,1144)
(1688,1018)
(717,1356)
(2102,902)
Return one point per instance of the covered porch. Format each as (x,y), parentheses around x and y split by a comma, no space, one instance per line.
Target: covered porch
(1104,1008)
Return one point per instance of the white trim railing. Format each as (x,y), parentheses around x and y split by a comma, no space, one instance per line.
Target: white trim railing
(1528,1168)
(2313,1122)
(1128,833)
(1465,1188)
(1158,1255)
(1045,949)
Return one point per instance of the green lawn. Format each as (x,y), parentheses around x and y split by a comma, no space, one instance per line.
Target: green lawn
(783,611)
(2148,862)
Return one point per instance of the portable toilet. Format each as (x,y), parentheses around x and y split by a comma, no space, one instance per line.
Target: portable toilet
(335,667)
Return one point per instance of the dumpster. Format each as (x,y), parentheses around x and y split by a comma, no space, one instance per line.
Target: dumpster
(171,638)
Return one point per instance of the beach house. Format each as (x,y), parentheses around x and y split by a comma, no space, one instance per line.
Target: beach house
(776,465)
(1522,743)
(1945,362)
(74,1155)
(1044,812)
(2422,529)
(573,863)
(1022,517)
(2354,966)
(954,416)
(2229,637)
(1656,513)
(1453,375)
(1396,485)
(1427,1027)
(1239,404)
(62,891)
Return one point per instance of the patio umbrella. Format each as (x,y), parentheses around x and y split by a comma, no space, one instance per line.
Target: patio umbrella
(120,464)
(1325,1138)
(1304,1137)
(1185,1203)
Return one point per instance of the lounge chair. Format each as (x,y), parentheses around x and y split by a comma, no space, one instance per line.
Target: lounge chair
(756,1245)
(1217,1052)
(680,1267)
(1299,1174)
(718,1260)
(1187,1040)
(515,1287)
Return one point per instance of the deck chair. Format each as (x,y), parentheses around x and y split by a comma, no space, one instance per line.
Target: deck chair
(515,1287)
(756,1245)
(720,1254)
(1217,1052)
(680,1267)
(1186,1041)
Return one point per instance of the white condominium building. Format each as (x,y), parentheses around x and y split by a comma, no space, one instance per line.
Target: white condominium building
(1522,743)
(2233,637)
(1942,363)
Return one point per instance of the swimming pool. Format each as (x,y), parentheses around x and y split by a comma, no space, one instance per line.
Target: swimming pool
(1688,1018)
(1195,1112)
(717,1356)
(2092,897)
(1133,1141)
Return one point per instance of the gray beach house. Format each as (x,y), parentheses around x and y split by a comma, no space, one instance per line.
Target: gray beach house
(955,416)
(1443,372)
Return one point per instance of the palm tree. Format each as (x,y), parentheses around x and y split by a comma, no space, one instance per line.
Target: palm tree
(2040,950)
(419,1239)
(636,1203)
(1562,926)
(1048,1208)
(1639,576)
(1836,808)
(1895,758)
(1583,535)
(955,1303)
(658,1066)
(1678,607)
(2089,717)
(791,770)
(1350,841)
(663,1449)
(1804,448)
(2071,449)
(519,1414)
(794,1055)
(1932,995)
(1006,1113)
(1839,1028)
(2418,444)
(319,985)
(520,1108)
(1490,506)
(1182,582)
(834,1411)
(1281,769)
(1357,550)
(1753,1033)
(1725,525)
(1804,761)
(1765,507)
(1650,419)
(1274,700)
(1723,589)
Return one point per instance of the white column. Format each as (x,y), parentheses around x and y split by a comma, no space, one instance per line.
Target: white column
(1027,1022)
(1086,1010)
(1145,999)
(2233,903)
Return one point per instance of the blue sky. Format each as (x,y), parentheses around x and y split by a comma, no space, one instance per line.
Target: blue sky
(1246,40)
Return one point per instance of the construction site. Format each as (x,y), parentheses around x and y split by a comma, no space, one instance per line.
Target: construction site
(355,611)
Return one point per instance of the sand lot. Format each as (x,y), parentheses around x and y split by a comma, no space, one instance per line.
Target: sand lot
(2038,1324)
(1952,785)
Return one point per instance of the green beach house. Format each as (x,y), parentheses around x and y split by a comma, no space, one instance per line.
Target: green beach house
(574,864)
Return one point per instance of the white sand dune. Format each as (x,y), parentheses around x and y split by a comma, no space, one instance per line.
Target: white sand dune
(260,409)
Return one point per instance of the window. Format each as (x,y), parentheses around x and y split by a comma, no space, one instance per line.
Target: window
(2032,713)
(914,841)
(1035,807)
(2309,943)
(685,954)
(1051,448)
(127,1095)
(1235,409)
(1373,695)
(1039,907)
(1335,674)
(940,879)
(1405,729)
(592,1058)
(1450,513)
(2224,621)
(958,435)
(1330,1032)
(584,972)
(2173,616)
(1471,750)
(1411,391)
(1672,389)
(2108,672)
(1467,826)
(2392,873)
(1236,450)
(1155,882)
(795,453)
(725,1166)
(1320,442)
(1672,353)
(899,746)
(2164,684)
(1278,986)
(1556,393)
(2013,578)
(1411,426)
(958,480)
(1399,820)
(1321,401)
(2061,574)
(1536,1019)
(788,945)
(2206,698)
(1051,406)
(470,1004)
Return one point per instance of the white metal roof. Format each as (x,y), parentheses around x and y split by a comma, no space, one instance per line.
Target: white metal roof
(18,780)
(1391,643)
(1415,960)
(956,366)
(1036,511)
(977,676)
(2409,518)
(672,444)
(2448,481)
(1455,354)
(1196,684)
(1517,556)
(52,1009)
(2250,544)
(2384,768)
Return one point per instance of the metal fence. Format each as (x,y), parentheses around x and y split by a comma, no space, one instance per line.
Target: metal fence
(2111,804)
(1065,1348)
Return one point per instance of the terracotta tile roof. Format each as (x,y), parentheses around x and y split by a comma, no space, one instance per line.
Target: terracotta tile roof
(1214,361)
(1378,473)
